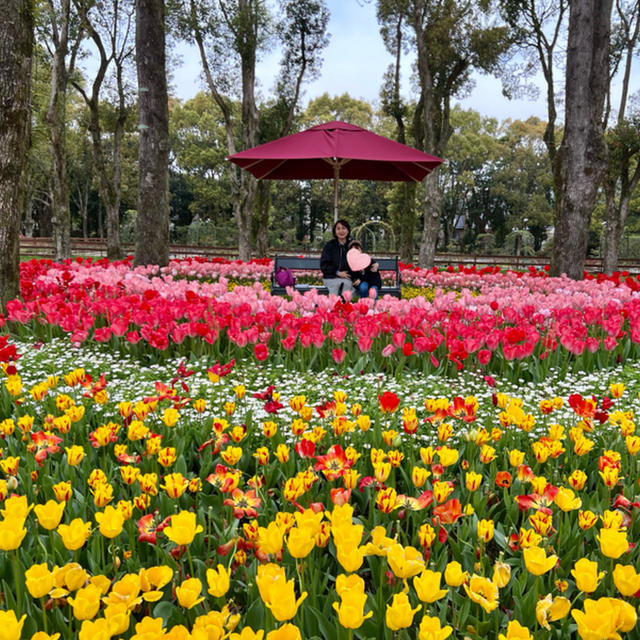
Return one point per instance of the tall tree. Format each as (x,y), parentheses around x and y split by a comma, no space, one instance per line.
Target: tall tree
(539,27)
(451,39)
(583,148)
(302,31)
(59,31)
(152,227)
(392,15)
(109,25)
(16,49)
(231,35)
(623,139)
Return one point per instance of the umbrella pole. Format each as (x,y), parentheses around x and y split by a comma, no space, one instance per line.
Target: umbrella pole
(336,177)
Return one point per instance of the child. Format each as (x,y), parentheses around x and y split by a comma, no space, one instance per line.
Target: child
(363,271)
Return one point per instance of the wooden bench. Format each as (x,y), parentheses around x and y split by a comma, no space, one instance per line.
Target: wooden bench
(297,264)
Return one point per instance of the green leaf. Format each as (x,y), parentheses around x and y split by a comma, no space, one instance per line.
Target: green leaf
(165,610)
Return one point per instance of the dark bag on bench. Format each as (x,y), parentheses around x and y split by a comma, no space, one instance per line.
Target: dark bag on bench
(284,277)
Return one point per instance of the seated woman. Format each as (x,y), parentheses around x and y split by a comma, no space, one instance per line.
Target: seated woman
(363,271)
(333,261)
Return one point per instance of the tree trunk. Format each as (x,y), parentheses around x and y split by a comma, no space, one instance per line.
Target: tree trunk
(243,212)
(261,219)
(612,230)
(152,231)
(584,152)
(16,48)
(29,222)
(432,204)
(431,143)
(407,222)
(56,121)
(109,187)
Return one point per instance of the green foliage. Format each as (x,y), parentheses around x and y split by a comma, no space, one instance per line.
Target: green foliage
(326,108)
(199,146)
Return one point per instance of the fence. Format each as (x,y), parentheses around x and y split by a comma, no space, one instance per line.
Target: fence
(97,247)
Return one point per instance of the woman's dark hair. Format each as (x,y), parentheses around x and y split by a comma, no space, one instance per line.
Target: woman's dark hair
(344,223)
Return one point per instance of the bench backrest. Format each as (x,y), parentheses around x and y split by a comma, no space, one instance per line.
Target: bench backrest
(308,263)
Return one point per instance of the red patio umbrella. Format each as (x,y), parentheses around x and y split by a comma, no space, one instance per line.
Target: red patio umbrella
(336,150)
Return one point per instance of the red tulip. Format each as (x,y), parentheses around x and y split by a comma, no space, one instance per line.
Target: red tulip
(389,402)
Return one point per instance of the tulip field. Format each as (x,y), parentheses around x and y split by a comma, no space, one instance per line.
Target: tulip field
(185,456)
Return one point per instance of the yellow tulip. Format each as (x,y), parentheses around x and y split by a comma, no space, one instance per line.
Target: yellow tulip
(427,586)
(419,476)
(537,562)
(566,499)
(39,580)
(49,514)
(268,575)
(283,604)
(270,538)
(380,542)
(578,479)
(149,628)
(485,530)
(86,602)
(603,618)
(430,629)
(626,579)
(350,558)
(399,614)
(188,593)
(218,581)
(454,576)
(95,630)
(75,454)
(472,480)
(247,634)
(346,534)
(111,521)
(170,416)
(125,591)
(183,528)
(12,533)
(549,609)
(351,582)
(447,456)
(482,591)
(613,542)
(300,542)
(405,562)
(515,631)
(74,535)
(285,632)
(586,575)
(501,574)
(118,617)
(351,609)
(10,625)
(71,576)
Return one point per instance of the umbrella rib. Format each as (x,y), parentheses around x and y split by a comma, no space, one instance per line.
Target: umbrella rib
(334,162)
(266,173)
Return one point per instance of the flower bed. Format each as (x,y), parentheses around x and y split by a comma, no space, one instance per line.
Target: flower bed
(160,497)
(488,322)
(208,501)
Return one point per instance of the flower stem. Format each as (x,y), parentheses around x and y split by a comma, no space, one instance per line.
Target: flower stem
(44,615)
(18,585)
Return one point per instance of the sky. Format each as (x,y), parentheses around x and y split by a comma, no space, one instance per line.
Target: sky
(354,62)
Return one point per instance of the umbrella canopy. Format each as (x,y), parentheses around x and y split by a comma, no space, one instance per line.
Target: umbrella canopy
(336,150)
